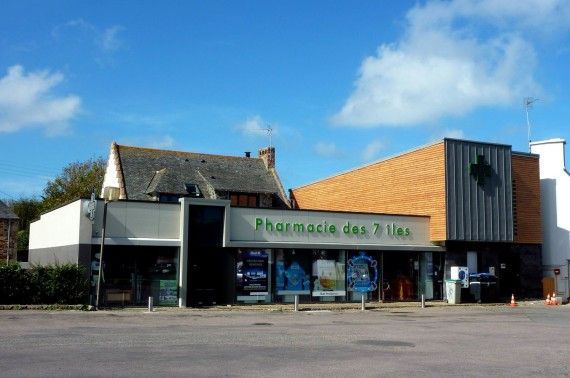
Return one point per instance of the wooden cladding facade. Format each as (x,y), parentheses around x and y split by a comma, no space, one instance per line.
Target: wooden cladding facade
(526,199)
(409,184)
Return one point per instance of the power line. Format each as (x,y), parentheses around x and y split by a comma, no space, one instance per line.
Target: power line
(8,195)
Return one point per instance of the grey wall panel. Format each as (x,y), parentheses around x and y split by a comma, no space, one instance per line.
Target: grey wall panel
(55,255)
(479,207)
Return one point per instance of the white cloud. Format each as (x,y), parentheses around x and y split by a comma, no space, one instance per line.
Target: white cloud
(153,141)
(440,69)
(448,133)
(372,149)
(163,142)
(328,149)
(108,40)
(27,100)
(256,126)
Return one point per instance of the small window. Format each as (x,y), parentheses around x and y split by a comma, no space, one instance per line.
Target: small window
(252,201)
(244,199)
(192,189)
(168,198)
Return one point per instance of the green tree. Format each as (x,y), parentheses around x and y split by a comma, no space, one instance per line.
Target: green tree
(27,210)
(77,180)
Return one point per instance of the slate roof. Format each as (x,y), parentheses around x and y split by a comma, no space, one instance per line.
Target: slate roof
(147,171)
(6,213)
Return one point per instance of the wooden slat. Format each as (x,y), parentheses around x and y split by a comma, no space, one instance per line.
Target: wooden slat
(408,184)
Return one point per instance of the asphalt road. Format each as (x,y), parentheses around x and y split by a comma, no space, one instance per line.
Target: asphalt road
(435,342)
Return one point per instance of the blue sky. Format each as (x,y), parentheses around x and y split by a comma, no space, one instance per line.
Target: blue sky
(341,83)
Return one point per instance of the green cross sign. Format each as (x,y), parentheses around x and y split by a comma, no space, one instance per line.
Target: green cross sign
(480,170)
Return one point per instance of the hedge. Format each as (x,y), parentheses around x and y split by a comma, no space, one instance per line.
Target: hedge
(43,284)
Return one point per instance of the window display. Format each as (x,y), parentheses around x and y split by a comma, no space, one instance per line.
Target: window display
(131,275)
(292,272)
(328,273)
(252,276)
(362,273)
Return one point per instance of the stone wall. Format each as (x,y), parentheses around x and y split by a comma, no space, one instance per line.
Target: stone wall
(5,225)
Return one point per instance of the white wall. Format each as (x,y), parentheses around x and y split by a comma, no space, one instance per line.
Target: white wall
(139,220)
(126,223)
(111,178)
(66,225)
(555,203)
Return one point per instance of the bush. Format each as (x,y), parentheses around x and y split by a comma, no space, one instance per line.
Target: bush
(13,283)
(43,284)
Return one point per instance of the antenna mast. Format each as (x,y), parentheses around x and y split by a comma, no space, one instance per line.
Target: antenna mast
(527,102)
(269,130)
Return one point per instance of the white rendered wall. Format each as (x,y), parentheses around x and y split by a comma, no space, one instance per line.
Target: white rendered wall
(111,178)
(555,203)
(128,223)
(64,226)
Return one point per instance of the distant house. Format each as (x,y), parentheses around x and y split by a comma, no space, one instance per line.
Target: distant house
(171,217)
(8,231)
(145,174)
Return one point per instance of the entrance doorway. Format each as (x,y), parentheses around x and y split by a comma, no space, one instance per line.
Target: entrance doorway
(209,277)
(401,276)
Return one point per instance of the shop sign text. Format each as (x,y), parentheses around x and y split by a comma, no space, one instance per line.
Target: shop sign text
(375,228)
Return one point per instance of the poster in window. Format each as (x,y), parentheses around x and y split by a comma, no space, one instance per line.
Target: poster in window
(329,278)
(168,294)
(291,278)
(362,273)
(251,273)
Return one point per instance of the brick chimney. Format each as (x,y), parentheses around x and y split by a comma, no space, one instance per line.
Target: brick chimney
(267,154)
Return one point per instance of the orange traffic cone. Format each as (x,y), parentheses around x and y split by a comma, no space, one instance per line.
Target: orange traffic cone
(553,300)
(513,303)
(548,299)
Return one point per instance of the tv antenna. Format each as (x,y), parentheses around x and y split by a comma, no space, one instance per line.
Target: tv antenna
(269,130)
(528,103)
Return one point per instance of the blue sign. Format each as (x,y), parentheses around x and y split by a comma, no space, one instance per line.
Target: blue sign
(362,273)
(252,272)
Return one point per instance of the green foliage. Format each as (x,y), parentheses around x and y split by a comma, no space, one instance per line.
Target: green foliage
(23,239)
(27,209)
(13,283)
(48,284)
(77,180)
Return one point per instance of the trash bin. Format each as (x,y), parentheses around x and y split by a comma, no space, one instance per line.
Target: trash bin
(453,291)
(483,287)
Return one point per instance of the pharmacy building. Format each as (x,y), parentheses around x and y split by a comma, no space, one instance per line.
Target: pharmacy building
(194,229)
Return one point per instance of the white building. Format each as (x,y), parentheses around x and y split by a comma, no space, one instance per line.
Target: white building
(555,199)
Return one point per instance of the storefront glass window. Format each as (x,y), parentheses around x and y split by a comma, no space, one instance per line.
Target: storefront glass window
(401,275)
(362,275)
(328,275)
(133,274)
(426,275)
(253,276)
(292,274)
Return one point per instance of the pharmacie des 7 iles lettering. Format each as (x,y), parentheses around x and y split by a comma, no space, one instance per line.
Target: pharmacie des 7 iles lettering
(376,228)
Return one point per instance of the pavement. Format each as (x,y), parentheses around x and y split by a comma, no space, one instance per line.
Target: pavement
(333,306)
(243,341)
